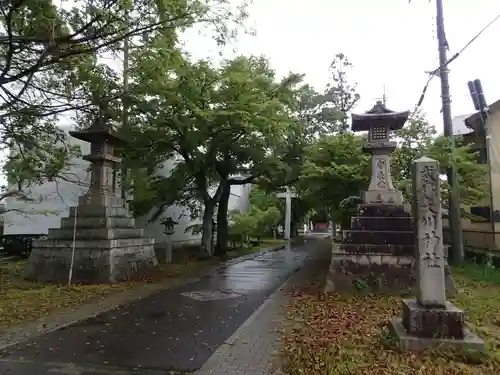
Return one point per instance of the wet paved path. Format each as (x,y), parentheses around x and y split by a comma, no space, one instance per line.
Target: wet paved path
(177,329)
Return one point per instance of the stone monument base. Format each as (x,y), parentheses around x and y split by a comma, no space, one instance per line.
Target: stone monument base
(95,262)
(375,272)
(423,328)
(378,253)
(378,273)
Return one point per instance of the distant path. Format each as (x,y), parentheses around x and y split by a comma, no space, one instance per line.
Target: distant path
(176,329)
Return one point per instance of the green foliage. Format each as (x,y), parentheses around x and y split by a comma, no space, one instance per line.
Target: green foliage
(328,113)
(49,65)
(243,225)
(262,217)
(418,139)
(348,208)
(255,223)
(217,121)
(335,169)
(263,199)
(472,177)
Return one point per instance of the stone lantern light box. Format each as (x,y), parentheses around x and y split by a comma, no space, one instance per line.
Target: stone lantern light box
(380,122)
(168,226)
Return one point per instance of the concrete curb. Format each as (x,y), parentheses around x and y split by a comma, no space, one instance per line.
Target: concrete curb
(28,331)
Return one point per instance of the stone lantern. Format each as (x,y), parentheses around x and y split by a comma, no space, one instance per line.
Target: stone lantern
(168,224)
(98,241)
(379,243)
(380,122)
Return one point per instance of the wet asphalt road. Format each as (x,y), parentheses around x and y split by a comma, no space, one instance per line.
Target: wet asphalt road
(174,330)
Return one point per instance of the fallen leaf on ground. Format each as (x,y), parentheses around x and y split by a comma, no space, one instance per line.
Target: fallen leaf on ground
(347,335)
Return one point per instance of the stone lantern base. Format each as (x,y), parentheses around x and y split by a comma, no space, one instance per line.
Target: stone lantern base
(108,248)
(377,253)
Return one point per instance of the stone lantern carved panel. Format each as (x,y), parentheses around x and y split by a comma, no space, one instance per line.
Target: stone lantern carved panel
(381,174)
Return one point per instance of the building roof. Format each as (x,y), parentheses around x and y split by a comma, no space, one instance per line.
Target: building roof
(475,120)
(459,125)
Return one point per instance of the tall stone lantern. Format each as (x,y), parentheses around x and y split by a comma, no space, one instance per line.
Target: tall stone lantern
(378,247)
(380,122)
(98,241)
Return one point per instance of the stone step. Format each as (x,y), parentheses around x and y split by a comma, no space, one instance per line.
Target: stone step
(378,249)
(97,222)
(99,211)
(382,223)
(385,210)
(105,244)
(372,237)
(94,261)
(95,234)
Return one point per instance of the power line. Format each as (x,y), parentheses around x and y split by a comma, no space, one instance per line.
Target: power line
(433,73)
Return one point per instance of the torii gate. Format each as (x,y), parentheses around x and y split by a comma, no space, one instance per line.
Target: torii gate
(288,195)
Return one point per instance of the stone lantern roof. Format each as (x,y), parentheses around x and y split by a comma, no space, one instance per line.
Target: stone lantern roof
(379,115)
(99,132)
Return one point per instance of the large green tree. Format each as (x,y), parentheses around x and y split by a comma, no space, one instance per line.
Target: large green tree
(217,121)
(336,168)
(328,112)
(49,65)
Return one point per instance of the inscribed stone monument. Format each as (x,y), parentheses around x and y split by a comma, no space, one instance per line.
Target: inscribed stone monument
(430,261)
(430,319)
(107,246)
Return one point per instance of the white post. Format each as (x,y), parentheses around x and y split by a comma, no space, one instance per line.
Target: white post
(168,250)
(288,215)
(73,245)
(288,195)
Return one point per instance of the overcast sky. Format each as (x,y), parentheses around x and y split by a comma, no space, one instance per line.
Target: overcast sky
(389,42)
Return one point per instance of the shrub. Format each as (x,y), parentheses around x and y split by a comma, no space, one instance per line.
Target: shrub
(18,244)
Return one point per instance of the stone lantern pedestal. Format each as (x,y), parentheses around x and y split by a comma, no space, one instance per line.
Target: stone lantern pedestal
(107,246)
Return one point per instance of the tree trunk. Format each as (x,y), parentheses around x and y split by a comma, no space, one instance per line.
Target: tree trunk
(334,220)
(206,248)
(333,224)
(222,222)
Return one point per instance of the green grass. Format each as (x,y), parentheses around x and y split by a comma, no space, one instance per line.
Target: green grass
(484,273)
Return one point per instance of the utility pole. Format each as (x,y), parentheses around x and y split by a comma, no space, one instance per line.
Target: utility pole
(123,171)
(457,249)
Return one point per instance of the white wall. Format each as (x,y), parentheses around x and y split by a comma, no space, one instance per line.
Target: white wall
(53,199)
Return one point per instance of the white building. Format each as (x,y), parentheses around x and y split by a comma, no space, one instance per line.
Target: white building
(53,199)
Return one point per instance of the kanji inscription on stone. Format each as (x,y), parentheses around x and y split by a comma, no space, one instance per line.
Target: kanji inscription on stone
(430,261)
